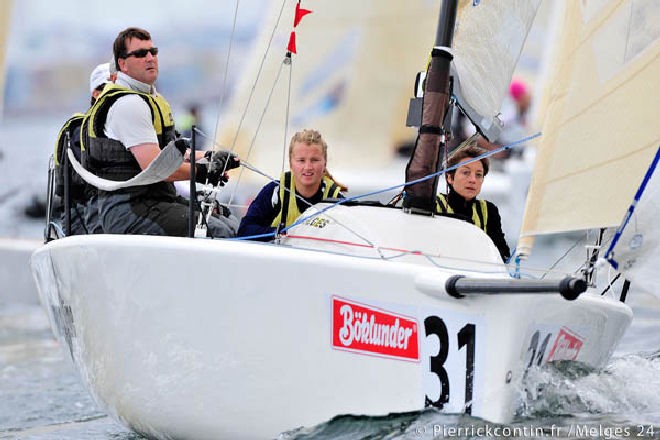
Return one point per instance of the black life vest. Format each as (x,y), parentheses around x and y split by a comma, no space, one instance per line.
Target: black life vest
(70,131)
(479,211)
(109,158)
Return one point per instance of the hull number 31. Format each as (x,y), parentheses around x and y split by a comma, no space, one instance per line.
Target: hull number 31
(450,349)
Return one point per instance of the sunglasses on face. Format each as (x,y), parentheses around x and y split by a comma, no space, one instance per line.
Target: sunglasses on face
(141,53)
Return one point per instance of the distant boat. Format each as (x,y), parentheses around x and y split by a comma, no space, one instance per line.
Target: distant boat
(365,309)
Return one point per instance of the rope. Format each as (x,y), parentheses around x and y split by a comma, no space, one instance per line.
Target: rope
(256,131)
(369,244)
(429,176)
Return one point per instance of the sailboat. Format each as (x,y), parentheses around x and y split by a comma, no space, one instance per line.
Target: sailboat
(389,310)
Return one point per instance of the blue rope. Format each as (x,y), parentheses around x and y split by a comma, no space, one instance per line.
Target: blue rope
(430,176)
(303,219)
(631,209)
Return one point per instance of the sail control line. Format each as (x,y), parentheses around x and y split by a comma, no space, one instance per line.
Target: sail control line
(419,198)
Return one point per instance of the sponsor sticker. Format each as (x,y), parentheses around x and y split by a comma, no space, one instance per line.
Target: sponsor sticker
(566,347)
(371,330)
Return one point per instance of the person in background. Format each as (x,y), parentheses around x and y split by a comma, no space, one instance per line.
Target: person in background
(129,125)
(100,76)
(185,122)
(515,109)
(83,212)
(279,204)
(515,126)
(464,184)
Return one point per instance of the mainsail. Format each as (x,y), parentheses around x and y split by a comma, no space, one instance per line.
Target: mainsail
(600,130)
(5,19)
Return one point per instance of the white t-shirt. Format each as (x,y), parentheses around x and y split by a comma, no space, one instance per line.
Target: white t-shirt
(129,118)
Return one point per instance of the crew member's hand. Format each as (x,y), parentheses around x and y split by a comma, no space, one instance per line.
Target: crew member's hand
(182,144)
(203,175)
(222,160)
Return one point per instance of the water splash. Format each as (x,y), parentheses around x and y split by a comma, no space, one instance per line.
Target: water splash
(627,386)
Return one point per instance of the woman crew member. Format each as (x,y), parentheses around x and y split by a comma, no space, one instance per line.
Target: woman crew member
(464,186)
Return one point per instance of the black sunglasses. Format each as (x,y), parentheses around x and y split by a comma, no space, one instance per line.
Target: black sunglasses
(141,53)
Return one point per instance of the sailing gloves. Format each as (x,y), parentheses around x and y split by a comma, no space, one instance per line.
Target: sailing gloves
(214,169)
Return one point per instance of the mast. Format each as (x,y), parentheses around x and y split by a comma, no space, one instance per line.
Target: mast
(425,159)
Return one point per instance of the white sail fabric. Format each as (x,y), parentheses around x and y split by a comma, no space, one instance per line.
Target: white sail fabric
(487,43)
(600,129)
(5,19)
(635,249)
(352,78)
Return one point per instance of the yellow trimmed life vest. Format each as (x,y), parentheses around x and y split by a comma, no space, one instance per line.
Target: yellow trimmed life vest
(77,184)
(479,215)
(289,210)
(109,158)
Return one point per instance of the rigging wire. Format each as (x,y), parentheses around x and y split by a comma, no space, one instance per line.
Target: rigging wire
(223,89)
(256,79)
(288,109)
(402,253)
(577,242)
(245,164)
(422,179)
(251,95)
(257,130)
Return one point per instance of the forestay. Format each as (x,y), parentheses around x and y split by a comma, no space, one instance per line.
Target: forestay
(635,249)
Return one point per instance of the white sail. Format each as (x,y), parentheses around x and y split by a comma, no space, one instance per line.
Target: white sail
(352,78)
(600,127)
(5,19)
(635,248)
(488,41)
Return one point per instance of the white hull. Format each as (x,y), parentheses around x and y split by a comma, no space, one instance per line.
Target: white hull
(207,339)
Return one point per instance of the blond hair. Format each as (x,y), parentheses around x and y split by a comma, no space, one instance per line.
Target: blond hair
(309,136)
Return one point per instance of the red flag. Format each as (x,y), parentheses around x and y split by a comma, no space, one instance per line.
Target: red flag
(292,43)
(300,13)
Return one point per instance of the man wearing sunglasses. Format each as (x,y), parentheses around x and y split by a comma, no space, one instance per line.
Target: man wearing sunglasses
(126,130)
